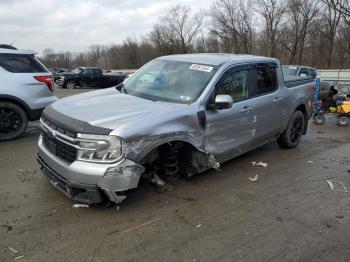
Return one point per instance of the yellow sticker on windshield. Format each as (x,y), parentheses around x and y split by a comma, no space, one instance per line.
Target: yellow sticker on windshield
(203,68)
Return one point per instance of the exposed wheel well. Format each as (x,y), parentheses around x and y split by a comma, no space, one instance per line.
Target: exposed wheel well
(190,160)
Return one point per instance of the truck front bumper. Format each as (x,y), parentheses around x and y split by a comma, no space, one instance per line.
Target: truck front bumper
(87,182)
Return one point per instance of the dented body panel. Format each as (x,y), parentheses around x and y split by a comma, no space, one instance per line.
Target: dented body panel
(144,125)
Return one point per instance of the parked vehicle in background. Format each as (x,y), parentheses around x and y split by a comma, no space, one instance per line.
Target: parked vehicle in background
(89,77)
(296,70)
(26,88)
(56,72)
(304,71)
(176,116)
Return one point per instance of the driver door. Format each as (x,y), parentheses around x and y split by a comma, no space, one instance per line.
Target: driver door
(229,132)
(87,77)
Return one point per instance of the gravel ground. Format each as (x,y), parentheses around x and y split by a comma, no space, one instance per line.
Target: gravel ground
(289,214)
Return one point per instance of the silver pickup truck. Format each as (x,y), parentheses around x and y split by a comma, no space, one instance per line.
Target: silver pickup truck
(176,116)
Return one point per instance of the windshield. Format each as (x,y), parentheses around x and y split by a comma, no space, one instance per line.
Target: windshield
(171,81)
(77,70)
(290,70)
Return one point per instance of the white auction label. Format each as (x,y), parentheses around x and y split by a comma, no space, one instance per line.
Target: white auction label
(203,68)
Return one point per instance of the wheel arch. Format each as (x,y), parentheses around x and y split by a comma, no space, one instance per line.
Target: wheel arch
(302,108)
(171,141)
(17,101)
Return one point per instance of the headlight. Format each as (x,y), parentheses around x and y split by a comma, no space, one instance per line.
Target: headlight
(99,148)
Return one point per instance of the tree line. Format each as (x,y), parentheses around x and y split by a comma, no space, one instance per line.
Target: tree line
(308,32)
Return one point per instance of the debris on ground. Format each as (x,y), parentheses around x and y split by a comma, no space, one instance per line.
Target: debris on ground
(9,227)
(13,250)
(254,179)
(19,257)
(80,205)
(310,162)
(263,164)
(199,226)
(337,186)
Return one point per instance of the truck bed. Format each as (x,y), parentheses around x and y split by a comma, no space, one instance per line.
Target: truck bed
(292,81)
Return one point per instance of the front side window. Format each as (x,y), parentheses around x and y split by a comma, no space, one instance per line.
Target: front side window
(289,70)
(170,81)
(235,84)
(88,73)
(266,80)
(21,63)
(313,73)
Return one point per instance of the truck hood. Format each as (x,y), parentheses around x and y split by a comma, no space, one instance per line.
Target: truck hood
(110,109)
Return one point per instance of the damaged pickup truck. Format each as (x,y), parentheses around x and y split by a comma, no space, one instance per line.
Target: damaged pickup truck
(177,116)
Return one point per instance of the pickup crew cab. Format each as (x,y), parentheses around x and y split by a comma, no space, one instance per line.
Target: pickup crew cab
(176,116)
(89,77)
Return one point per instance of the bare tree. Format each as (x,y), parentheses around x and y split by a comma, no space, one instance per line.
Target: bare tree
(178,29)
(232,22)
(332,17)
(272,12)
(300,14)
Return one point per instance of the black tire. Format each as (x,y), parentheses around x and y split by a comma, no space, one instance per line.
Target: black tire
(70,84)
(343,121)
(13,121)
(319,119)
(291,137)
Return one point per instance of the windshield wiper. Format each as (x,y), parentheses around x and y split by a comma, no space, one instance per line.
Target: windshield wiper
(121,88)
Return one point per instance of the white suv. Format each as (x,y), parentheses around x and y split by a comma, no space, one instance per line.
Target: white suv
(26,88)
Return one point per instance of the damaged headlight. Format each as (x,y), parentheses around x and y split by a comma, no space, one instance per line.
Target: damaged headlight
(99,148)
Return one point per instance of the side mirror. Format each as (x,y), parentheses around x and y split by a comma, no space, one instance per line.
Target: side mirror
(222,102)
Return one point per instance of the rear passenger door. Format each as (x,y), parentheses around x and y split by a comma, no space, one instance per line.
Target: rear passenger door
(268,102)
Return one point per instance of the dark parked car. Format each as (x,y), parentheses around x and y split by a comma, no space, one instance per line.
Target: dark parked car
(57,72)
(89,77)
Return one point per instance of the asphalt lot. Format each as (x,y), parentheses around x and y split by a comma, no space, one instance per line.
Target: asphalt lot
(289,214)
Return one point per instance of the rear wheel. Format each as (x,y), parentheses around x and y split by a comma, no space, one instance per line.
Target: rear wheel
(291,137)
(343,121)
(13,121)
(71,84)
(319,119)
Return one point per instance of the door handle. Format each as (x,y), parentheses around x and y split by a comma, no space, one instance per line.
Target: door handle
(277,99)
(246,109)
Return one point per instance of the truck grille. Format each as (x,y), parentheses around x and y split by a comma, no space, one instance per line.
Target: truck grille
(59,148)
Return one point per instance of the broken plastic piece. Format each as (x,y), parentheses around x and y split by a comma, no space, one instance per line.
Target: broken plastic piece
(13,250)
(19,257)
(261,164)
(80,205)
(254,179)
(310,162)
(199,226)
(213,163)
(337,186)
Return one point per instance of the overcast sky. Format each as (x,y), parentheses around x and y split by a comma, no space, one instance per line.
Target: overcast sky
(74,25)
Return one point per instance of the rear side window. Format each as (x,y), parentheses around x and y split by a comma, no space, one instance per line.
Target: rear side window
(266,80)
(20,63)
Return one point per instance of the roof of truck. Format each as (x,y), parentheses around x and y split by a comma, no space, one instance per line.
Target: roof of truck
(217,58)
(14,51)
